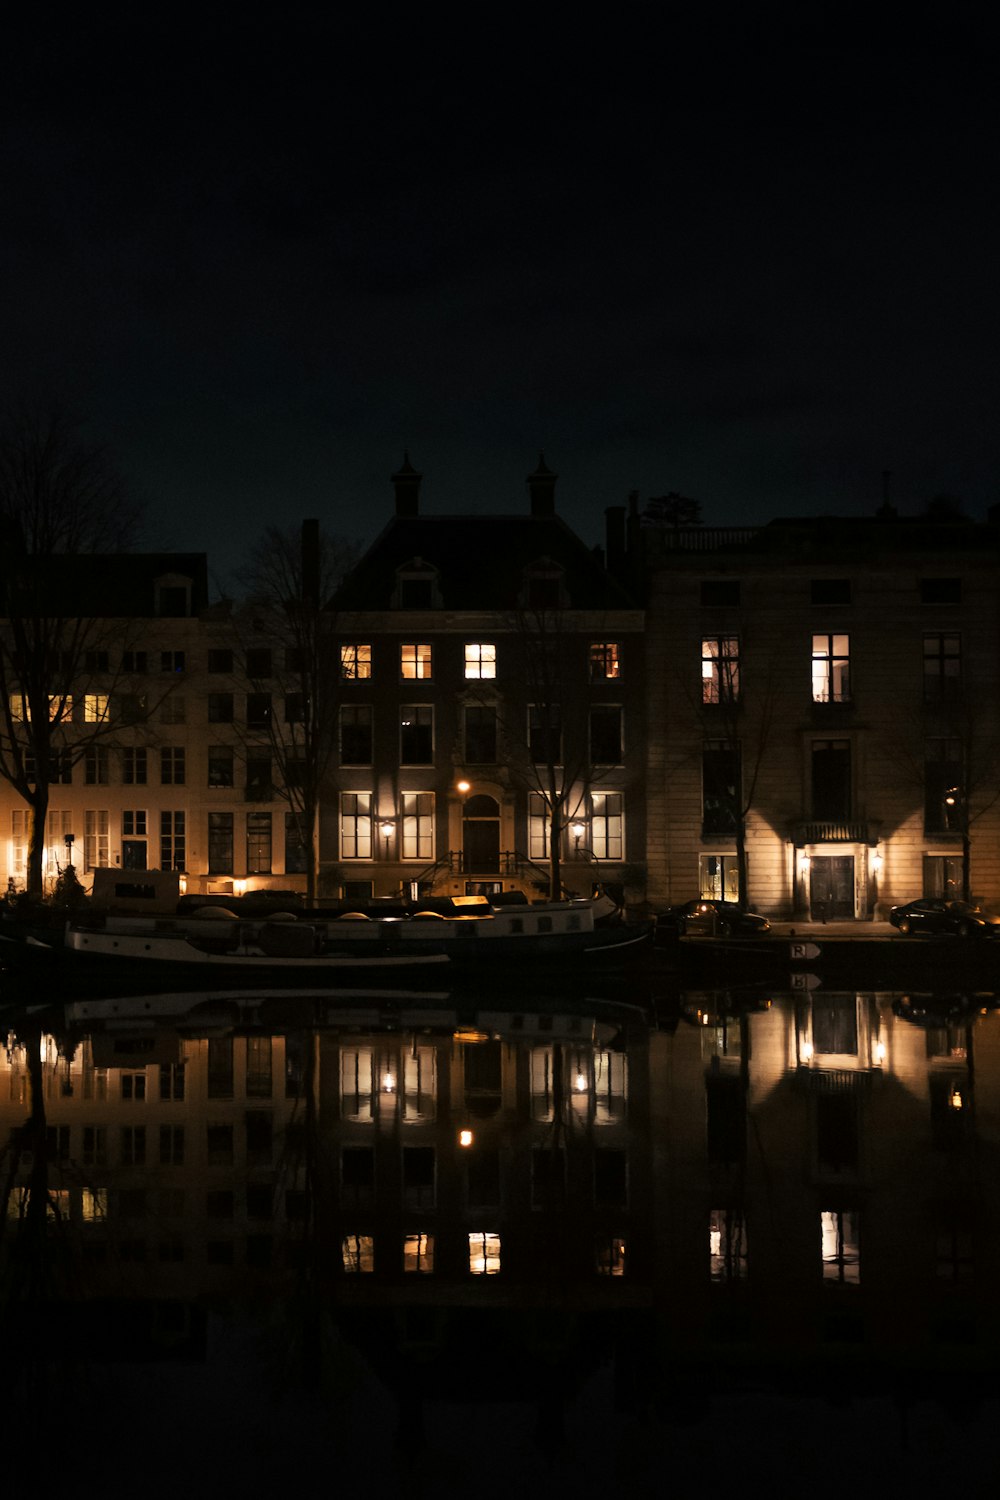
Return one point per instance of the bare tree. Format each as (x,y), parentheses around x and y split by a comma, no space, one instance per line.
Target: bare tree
(285,629)
(61,501)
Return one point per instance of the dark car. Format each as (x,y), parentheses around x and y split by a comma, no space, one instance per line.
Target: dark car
(700,918)
(930,914)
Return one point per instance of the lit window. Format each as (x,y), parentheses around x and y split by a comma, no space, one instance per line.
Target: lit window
(418,1253)
(61,708)
(484,1254)
(355,825)
(841,1257)
(418,825)
(727,1244)
(96,839)
(538,827)
(415,660)
(609,1256)
(358,1253)
(94,1203)
(720,669)
(607,825)
(355,662)
(605,661)
(480,660)
(831,669)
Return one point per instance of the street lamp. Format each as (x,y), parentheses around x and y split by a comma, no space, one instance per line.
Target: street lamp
(577,830)
(385,829)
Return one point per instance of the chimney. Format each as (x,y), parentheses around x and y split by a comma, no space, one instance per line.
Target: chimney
(406,483)
(614,531)
(542,489)
(310,564)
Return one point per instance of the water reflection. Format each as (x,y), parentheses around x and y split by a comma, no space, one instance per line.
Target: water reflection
(744,1183)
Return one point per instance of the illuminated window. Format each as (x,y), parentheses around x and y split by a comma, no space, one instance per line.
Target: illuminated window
(538,827)
(358,1253)
(718,877)
(418,1254)
(94,1205)
(606,736)
(418,825)
(416,735)
(720,669)
(19,708)
(61,708)
(484,1254)
(355,662)
(258,843)
(841,1256)
(95,839)
(480,659)
(727,1244)
(172,841)
(831,669)
(355,825)
(607,825)
(605,661)
(944,786)
(610,1086)
(415,660)
(19,841)
(609,1256)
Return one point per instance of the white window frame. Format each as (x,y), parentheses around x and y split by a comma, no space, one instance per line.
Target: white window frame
(95,707)
(480,659)
(831,667)
(356,825)
(416,661)
(96,838)
(605,661)
(720,668)
(538,827)
(607,825)
(356,661)
(418,825)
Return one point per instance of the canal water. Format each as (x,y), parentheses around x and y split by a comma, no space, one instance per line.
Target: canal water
(603,1236)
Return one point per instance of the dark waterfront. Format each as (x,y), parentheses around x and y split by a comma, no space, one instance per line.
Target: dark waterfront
(630,1236)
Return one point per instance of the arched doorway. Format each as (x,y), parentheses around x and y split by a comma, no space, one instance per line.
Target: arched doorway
(481,835)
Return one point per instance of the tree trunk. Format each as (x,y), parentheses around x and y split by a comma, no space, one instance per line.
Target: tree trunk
(742,893)
(39,805)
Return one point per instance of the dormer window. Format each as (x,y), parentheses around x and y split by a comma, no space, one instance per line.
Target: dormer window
(417,586)
(173,596)
(544,585)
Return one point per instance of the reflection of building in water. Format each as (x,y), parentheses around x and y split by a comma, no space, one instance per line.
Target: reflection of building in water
(819,1172)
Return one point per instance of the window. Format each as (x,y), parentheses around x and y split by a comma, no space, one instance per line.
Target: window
(172,841)
(171,1145)
(610,1177)
(720,788)
(718,877)
(605,661)
(171,1082)
(173,710)
(418,825)
(96,765)
(725,1118)
(95,708)
(419,1085)
(831,780)
(172,765)
(606,739)
(720,669)
(841,1257)
(259,662)
(133,1086)
(356,738)
(219,1145)
(259,1073)
(19,841)
(607,825)
(96,661)
(418,1177)
(358,1253)
(415,661)
(942,668)
(484,1254)
(480,659)
(481,736)
(355,662)
(60,768)
(134,707)
(355,825)
(415,586)
(171,661)
(134,661)
(944,798)
(220,708)
(134,767)
(831,669)
(295,708)
(220,660)
(836,1133)
(61,708)
(544,586)
(133,1145)
(258,843)
(943,876)
(357,1084)
(220,843)
(259,787)
(548,1177)
(720,593)
(940,591)
(220,1067)
(416,735)
(418,1254)
(609,1255)
(830,591)
(357,1177)
(258,710)
(727,1244)
(296,846)
(134,824)
(545,733)
(538,827)
(95,839)
(220,765)
(95,1145)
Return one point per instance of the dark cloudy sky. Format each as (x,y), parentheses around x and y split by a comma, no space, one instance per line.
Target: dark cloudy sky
(264,257)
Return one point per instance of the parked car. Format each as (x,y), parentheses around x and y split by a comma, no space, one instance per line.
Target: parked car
(929,914)
(702,918)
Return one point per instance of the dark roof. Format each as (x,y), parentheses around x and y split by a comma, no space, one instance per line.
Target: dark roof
(107,585)
(480,562)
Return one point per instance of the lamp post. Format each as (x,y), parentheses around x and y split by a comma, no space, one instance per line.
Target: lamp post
(577,830)
(385,829)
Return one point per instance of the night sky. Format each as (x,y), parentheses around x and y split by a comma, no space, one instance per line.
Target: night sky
(263,258)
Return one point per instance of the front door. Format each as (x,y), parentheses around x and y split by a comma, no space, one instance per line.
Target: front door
(831,887)
(481,836)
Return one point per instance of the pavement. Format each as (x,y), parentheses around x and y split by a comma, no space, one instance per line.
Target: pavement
(862,932)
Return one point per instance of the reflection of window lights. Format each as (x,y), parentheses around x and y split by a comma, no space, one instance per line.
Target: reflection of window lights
(357,1083)
(831,669)
(415,660)
(418,1254)
(484,1254)
(480,659)
(358,1253)
(355,662)
(609,1256)
(841,1256)
(720,669)
(94,1205)
(727,1244)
